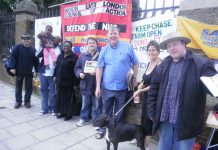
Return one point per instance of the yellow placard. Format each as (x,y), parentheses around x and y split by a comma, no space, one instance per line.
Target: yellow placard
(203,36)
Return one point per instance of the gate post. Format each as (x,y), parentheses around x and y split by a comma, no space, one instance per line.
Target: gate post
(26,12)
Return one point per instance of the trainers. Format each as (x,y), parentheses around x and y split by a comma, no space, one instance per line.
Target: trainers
(17,105)
(27,105)
(42,113)
(97,128)
(53,113)
(82,123)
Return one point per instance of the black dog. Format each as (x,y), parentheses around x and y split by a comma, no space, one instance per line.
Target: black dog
(119,132)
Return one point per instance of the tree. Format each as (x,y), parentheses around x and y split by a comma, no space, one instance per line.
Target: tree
(8,5)
(136,14)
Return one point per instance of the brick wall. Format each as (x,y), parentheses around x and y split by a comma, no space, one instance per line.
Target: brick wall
(206,15)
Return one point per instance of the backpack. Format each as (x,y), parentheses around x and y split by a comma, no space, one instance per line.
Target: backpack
(7,67)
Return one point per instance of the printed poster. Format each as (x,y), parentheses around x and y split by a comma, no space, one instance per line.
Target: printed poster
(93,18)
(143,31)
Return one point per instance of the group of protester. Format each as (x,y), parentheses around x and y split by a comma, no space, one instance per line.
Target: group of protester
(173,92)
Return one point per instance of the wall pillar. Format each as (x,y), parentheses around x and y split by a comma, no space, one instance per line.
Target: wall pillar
(26,12)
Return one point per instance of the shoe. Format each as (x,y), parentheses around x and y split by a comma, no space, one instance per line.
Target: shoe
(27,105)
(66,118)
(99,135)
(42,113)
(17,105)
(97,128)
(82,123)
(53,113)
(133,141)
(60,116)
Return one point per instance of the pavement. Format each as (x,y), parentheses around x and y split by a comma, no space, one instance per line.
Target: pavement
(23,129)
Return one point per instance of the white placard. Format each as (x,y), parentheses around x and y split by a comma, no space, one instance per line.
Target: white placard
(143,31)
(90,66)
(211,83)
(40,25)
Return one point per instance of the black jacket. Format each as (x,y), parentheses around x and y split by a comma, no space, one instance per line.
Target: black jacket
(23,59)
(192,103)
(64,70)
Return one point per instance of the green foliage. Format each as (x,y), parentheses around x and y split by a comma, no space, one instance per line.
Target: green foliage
(135,10)
(8,5)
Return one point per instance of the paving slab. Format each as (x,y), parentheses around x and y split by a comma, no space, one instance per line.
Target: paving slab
(17,126)
(50,144)
(44,133)
(3,147)
(4,134)
(70,138)
(21,142)
(20,129)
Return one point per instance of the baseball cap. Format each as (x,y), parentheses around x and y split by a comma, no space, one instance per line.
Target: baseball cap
(25,36)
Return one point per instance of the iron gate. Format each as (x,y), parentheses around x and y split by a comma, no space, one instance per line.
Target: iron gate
(7,33)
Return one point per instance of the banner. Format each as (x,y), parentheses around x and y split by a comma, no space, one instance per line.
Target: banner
(203,36)
(154,28)
(93,18)
(40,25)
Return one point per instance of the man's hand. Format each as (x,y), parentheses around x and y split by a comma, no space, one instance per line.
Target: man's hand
(13,71)
(98,92)
(82,75)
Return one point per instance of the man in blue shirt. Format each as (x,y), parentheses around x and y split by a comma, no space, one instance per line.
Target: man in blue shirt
(114,62)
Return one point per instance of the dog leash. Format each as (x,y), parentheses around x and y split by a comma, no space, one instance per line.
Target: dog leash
(123,106)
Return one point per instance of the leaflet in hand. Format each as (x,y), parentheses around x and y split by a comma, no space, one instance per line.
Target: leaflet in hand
(90,66)
(211,83)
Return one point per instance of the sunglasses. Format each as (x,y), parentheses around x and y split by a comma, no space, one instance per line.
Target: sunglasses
(25,38)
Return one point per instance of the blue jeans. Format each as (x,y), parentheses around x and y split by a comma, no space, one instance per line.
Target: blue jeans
(113,101)
(90,102)
(48,94)
(168,138)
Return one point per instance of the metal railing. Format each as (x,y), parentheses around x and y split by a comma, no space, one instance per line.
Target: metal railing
(7,31)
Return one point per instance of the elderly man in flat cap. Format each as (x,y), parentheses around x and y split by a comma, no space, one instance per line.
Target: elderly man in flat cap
(177,97)
(22,61)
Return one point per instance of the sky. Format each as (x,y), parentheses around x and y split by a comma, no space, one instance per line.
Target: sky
(159,4)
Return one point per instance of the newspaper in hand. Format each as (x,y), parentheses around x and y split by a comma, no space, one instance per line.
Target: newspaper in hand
(211,83)
(90,66)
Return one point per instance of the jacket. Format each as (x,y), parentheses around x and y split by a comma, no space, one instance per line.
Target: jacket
(39,54)
(23,59)
(64,70)
(192,102)
(88,84)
